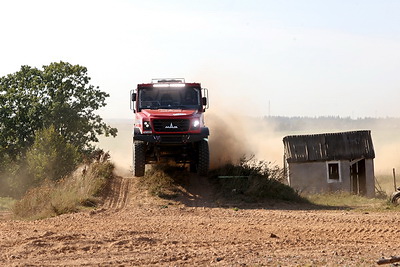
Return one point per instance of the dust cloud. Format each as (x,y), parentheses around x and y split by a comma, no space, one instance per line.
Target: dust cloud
(233,136)
(387,150)
(120,147)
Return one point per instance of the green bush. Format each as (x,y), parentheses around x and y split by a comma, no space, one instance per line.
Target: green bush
(50,156)
(252,180)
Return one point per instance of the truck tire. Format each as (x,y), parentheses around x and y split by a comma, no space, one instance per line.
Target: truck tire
(139,154)
(395,199)
(203,163)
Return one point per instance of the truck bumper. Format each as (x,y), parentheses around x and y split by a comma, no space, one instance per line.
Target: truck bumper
(171,138)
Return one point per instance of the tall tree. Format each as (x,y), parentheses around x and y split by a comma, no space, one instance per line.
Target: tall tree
(61,95)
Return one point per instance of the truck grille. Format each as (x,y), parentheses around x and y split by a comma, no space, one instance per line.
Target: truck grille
(171,125)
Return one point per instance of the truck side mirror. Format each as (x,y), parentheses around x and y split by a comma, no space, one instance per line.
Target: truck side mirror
(132,102)
(204,98)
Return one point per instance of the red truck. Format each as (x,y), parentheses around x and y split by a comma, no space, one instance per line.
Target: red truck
(169,125)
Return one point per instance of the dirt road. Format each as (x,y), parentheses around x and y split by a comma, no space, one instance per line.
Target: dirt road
(133,228)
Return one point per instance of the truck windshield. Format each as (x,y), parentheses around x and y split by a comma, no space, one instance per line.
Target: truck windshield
(169,98)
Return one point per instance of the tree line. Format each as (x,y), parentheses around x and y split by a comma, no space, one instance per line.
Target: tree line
(322,123)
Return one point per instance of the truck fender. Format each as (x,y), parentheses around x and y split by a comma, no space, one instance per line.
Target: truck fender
(136,131)
(205,131)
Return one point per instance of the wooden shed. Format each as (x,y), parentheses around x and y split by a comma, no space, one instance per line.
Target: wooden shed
(331,162)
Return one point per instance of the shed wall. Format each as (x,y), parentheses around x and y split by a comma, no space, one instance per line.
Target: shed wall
(370,177)
(311,177)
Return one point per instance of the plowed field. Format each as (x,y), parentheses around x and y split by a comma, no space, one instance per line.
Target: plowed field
(134,229)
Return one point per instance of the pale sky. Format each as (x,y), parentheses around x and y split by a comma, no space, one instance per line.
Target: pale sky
(305,58)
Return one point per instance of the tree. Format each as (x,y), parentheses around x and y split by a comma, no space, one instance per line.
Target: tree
(59,95)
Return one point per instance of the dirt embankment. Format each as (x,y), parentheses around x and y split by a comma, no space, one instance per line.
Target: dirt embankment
(133,228)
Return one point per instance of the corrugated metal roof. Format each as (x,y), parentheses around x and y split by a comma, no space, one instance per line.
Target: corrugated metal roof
(329,146)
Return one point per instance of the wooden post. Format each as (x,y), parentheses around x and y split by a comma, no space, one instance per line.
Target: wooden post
(394,179)
(392,259)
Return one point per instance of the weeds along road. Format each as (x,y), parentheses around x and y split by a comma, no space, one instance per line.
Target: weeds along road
(133,228)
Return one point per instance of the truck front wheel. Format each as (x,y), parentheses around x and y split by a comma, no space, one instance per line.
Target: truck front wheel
(204,158)
(139,154)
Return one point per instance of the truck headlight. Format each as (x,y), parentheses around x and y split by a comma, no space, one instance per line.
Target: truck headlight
(195,124)
(146,126)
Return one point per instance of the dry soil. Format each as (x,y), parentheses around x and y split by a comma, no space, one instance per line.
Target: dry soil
(135,229)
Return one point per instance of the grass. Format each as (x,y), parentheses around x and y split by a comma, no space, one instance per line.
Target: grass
(381,202)
(71,194)
(6,203)
(345,200)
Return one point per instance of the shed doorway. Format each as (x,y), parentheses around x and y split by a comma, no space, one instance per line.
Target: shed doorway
(358,181)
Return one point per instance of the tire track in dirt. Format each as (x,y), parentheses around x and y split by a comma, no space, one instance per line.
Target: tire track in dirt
(118,194)
(334,225)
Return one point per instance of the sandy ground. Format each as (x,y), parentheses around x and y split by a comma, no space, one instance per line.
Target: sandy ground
(134,229)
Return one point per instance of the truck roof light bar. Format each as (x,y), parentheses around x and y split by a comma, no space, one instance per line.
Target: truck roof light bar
(168,80)
(169,85)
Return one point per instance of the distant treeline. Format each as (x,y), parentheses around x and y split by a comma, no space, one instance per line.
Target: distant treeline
(331,123)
